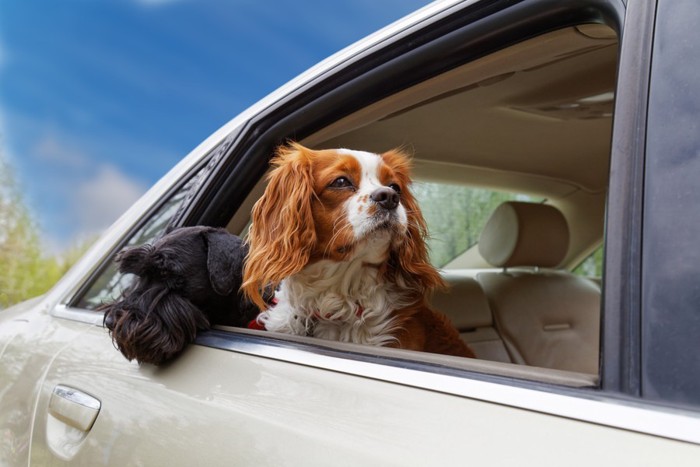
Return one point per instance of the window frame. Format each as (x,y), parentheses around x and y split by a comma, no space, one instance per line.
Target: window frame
(470,32)
(621,324)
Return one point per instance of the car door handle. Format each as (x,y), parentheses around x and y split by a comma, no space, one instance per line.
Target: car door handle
(74,407)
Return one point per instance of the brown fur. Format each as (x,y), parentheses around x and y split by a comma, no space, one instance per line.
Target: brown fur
(427,330)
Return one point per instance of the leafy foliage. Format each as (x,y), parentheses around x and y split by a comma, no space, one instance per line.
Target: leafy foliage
(591,266)
(25,270)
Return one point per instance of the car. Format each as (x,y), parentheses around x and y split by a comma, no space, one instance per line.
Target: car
(583,114)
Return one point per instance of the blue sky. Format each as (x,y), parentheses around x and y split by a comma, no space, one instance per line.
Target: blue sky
(100,98)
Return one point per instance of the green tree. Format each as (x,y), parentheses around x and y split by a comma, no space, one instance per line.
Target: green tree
(25,270)
(591,266)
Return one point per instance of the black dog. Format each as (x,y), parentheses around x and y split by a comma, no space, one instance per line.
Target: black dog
(187,281)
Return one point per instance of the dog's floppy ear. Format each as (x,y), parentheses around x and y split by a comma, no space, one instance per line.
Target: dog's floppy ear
(135,260)
(410,260)
(282,235)
(152,260)
(225,255)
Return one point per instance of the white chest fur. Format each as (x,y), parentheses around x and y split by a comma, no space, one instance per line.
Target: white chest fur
(345,301)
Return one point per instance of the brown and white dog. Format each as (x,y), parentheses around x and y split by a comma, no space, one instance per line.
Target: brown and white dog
(341,235)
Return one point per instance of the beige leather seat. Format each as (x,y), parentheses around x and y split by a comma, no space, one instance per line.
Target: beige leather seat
(546,317)
(468,309)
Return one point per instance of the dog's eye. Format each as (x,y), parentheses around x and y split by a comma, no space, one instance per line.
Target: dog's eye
(395,187)
(341,182)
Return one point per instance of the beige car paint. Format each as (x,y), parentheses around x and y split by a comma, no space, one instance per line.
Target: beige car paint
(217,407)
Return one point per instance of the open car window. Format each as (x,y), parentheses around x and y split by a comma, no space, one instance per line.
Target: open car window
(530,123)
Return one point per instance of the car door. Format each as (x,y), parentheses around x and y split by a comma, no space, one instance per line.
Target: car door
(219,407)
(246,398)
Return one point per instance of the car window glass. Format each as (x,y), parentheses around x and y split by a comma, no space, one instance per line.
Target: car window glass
(592,266)
(110,283)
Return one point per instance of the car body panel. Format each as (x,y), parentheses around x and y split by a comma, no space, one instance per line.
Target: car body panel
(261,411)
(671,210)
(265,411)
(26,359)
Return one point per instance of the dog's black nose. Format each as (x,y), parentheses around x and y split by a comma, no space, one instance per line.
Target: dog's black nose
(385,197)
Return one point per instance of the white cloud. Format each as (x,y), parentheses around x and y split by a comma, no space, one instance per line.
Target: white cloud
(99,201)
(49,149)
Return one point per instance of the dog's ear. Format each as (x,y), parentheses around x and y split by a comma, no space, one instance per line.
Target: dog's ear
(410,259)
(225,256)
(135,260)
(282,235)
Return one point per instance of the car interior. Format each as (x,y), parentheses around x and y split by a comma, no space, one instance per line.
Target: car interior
(530,126)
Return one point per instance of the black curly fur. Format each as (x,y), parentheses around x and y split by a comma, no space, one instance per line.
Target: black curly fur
(187,281)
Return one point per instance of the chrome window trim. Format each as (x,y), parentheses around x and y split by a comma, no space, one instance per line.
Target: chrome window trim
(78,314)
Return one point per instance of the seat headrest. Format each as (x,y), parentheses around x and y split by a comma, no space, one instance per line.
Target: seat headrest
(465,304)
(525,234)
